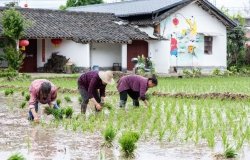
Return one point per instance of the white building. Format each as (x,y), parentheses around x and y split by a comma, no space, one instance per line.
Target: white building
(185,33)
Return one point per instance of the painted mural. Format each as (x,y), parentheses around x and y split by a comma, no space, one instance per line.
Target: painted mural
(185,42)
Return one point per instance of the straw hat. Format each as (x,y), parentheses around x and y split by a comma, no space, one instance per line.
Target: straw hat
(106,76)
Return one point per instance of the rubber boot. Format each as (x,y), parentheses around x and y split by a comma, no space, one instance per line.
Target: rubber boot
(136,103)
(83,108)
(122,103)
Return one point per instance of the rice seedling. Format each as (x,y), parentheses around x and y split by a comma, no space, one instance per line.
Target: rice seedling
(210,135)
(23,104)
(27,97)
(48,110)
(58,102)
(8,92)
(109,135)
(23,93)
(230,152)
(16,156)
(127,142)
(109,106)
(224,138)
(58,113)
(75,124)
(67,99)
(68,112)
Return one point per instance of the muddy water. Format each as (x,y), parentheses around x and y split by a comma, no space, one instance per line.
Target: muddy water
(35,142)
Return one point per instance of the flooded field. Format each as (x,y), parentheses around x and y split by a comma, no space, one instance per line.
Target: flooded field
(39,141)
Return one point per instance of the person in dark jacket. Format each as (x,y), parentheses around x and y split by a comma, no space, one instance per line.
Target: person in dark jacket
(91,86)
(136,87)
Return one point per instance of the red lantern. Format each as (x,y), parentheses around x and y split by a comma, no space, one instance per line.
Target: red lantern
(56,42)
(175,21)
(23,43)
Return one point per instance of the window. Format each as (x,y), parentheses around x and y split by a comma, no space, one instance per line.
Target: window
(208,44)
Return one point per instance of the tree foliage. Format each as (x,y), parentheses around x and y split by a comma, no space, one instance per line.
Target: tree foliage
(236,41)
(13,24)
(74,3)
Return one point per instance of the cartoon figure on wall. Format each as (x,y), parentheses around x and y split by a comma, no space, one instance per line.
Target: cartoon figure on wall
(184,35)
(173,46)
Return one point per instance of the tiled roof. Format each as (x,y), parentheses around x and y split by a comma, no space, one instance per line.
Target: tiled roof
(82,27)
(127,8)
(154,10)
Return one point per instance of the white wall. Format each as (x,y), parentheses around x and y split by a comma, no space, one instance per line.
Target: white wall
(77,52)
(105,54)
(124,56)
(205,24)
(158,51)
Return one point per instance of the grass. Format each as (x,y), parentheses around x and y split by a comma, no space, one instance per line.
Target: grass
(16,156)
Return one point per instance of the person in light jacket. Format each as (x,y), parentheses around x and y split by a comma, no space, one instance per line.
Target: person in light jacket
(41,91)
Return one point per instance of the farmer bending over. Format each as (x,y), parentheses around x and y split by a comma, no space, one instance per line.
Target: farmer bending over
(42,91)
(92,86)
(136,87)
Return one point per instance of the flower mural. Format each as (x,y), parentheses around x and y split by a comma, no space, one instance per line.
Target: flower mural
(184,37)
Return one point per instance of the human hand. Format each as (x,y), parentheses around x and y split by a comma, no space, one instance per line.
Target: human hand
(36,119)
(98,107)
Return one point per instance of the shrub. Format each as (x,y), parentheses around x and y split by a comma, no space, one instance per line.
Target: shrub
(8,73)
(216,72)
(196,72)
(127,142)
(233,69)
(16,156)
(14,57)
(187,73)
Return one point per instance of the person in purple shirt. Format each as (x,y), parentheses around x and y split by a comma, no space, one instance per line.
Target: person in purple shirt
(136,87)
(92,85)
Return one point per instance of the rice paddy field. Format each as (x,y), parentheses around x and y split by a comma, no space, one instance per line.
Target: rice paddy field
(189,118)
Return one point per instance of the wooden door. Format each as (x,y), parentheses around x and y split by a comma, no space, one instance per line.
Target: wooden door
(30,60)
(135,49)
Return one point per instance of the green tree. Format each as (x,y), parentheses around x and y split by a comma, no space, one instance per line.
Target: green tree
(236,40)
(74,3)
(13,26)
